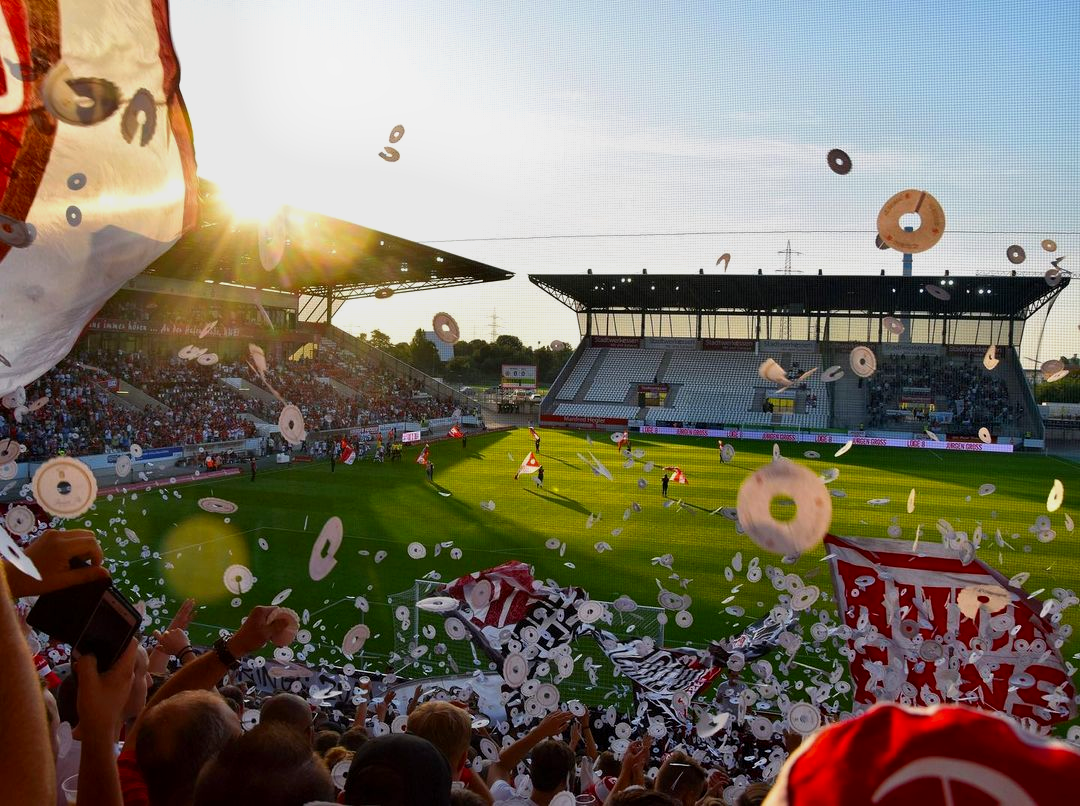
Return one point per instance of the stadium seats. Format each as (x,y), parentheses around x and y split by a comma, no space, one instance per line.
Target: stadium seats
(581,369)
(622,370)
(84,417)
(704,387)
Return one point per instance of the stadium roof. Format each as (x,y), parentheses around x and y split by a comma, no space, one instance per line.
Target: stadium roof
(971,297)
(323,255)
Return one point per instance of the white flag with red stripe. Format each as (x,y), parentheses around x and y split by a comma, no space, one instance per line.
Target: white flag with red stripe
(532,431)
(677,476)
(348,455)
(529,464)
(498,596)
(422,459)
(455,432)
(927,628)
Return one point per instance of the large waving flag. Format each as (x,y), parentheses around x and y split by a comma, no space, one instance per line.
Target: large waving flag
(529,464)
(498,596)
(422,459)
(97,166)
(348,455)
(677,475)
(455,432)
(913,609)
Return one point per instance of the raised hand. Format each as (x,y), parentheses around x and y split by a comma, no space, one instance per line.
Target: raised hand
(261,624)
(52,554)
(554,723)
(183,617)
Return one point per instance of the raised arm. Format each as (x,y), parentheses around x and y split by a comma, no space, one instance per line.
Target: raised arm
(101,705)
(551,725)
(205,671)
(27,768)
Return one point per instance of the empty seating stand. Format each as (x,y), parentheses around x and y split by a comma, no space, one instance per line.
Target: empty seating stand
(621,371)
(716,387)
(580,371)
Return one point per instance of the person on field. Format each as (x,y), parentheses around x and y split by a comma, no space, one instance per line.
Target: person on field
(664,484)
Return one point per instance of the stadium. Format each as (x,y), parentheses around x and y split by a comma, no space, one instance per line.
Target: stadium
(746,508)
(671,362)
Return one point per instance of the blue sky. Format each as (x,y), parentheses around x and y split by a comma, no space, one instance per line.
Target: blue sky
(530,119)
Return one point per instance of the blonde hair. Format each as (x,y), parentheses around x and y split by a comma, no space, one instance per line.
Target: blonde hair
(446,726)
(336,754)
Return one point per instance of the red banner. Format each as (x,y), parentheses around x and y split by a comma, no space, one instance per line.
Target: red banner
(559,418)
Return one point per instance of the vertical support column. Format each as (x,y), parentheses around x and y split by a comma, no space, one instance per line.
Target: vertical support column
(329,307)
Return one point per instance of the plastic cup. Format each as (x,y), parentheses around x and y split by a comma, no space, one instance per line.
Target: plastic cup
(71,789)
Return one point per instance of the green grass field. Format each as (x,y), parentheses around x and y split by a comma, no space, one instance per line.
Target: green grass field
(386,507)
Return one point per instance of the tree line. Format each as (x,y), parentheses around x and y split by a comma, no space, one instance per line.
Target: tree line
(476,361)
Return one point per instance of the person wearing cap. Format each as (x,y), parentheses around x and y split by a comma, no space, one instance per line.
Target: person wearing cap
(398,768)
(893,754)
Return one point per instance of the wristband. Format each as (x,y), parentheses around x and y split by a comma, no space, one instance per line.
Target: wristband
(226,657)
(184,651)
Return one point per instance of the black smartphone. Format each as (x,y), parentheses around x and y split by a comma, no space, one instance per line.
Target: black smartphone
(94,618)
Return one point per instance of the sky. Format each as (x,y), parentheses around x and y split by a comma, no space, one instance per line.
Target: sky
(622,123)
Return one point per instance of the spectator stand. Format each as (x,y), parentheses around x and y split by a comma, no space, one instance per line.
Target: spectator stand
(695,340)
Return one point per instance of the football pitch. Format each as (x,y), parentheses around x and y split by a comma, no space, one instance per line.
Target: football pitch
(386,507)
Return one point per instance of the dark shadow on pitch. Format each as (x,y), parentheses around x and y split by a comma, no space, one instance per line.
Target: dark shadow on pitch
(559,500)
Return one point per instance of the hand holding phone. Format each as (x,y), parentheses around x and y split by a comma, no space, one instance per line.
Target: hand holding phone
(64,559)
(94,618)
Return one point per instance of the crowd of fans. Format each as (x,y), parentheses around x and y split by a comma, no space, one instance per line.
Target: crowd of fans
(962,387)
(162,313)
(83,416)
(168,725)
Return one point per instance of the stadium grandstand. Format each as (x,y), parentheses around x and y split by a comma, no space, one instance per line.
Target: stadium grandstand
(129,381)
(684,351)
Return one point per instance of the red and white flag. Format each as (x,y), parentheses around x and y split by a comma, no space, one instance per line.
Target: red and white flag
(909,610)
(499,595)
(348,455)
(455,432)
(529,464)
(422,459)
(532,431)
(677,476)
